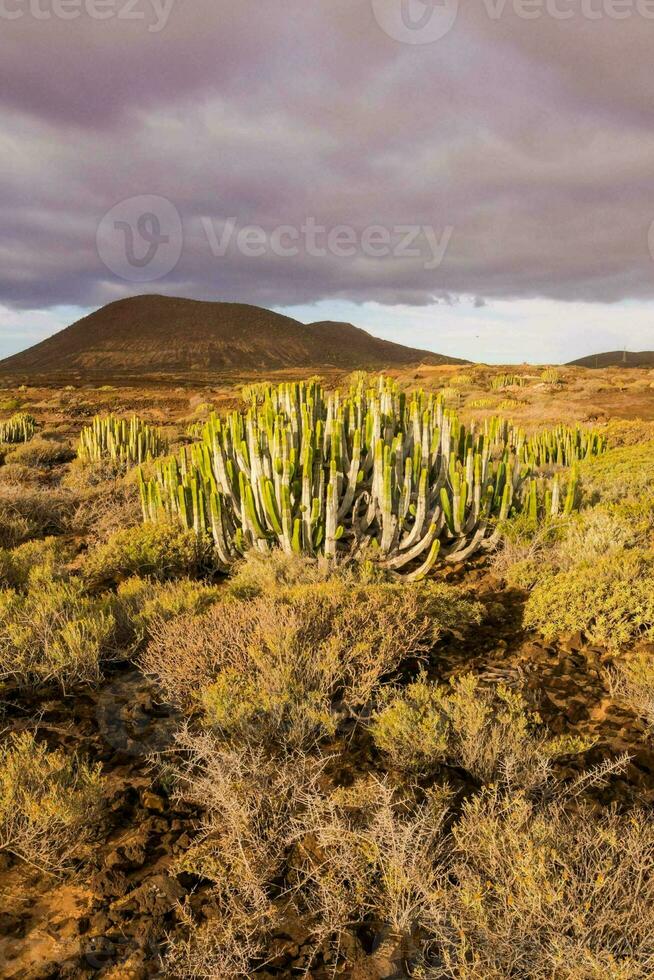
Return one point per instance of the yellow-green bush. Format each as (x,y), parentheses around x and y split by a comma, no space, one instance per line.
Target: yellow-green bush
(162,551)
(141,604)
(490,732)
(48,801)
(591,535)
(47,558)
(633,681)
(545,892)
(286,659)
(627,471)
(54,631)
(611,599)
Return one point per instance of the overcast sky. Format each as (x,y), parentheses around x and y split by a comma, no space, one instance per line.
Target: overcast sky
(475,178)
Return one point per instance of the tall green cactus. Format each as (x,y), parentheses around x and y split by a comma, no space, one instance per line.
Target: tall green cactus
(370,473)
(124,443)
(20,428)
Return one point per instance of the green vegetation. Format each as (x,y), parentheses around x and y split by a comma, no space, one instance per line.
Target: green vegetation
(279,667)
(501,381)
(626,471)
(48,801)
(123,443)
(53,631)
(633,681)
(163,551)
(489,732)
(360,773)
(375,475)
(20,428)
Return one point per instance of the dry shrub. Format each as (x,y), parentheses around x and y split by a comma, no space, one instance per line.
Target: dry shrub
(365,855)
(522,546)
(490,732)
(264,573)
(273,667)
(26,512)
(545,892)
(248,801)
(54,632)
(40,453)
(19,475)
(507,887)
(633,680)
(222,947)
(48,802)
(141,604)
(83,477)
(106,509)
(590,535)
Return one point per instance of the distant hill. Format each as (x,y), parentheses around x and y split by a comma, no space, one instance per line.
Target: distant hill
(163,336)
(616,358)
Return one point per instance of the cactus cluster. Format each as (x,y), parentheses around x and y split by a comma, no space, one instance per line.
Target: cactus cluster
(551,376)
(374,473)
(461,380)
(501,381)
(481,403)
(563,446)
(20,428)
(123,442)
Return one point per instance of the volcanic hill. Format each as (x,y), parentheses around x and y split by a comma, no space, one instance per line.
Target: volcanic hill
(161,336)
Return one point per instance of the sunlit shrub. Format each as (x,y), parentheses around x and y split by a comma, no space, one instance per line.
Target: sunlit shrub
(47,558)
(273,667)
(26,512)
(141,604)
(489,731)
(545,891)
(623,472)
(54,632)
(48,801)
(39,452)
(162,551)
(610,599)
(633,681)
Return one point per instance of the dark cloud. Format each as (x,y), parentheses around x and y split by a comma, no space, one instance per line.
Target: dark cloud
(530,139)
